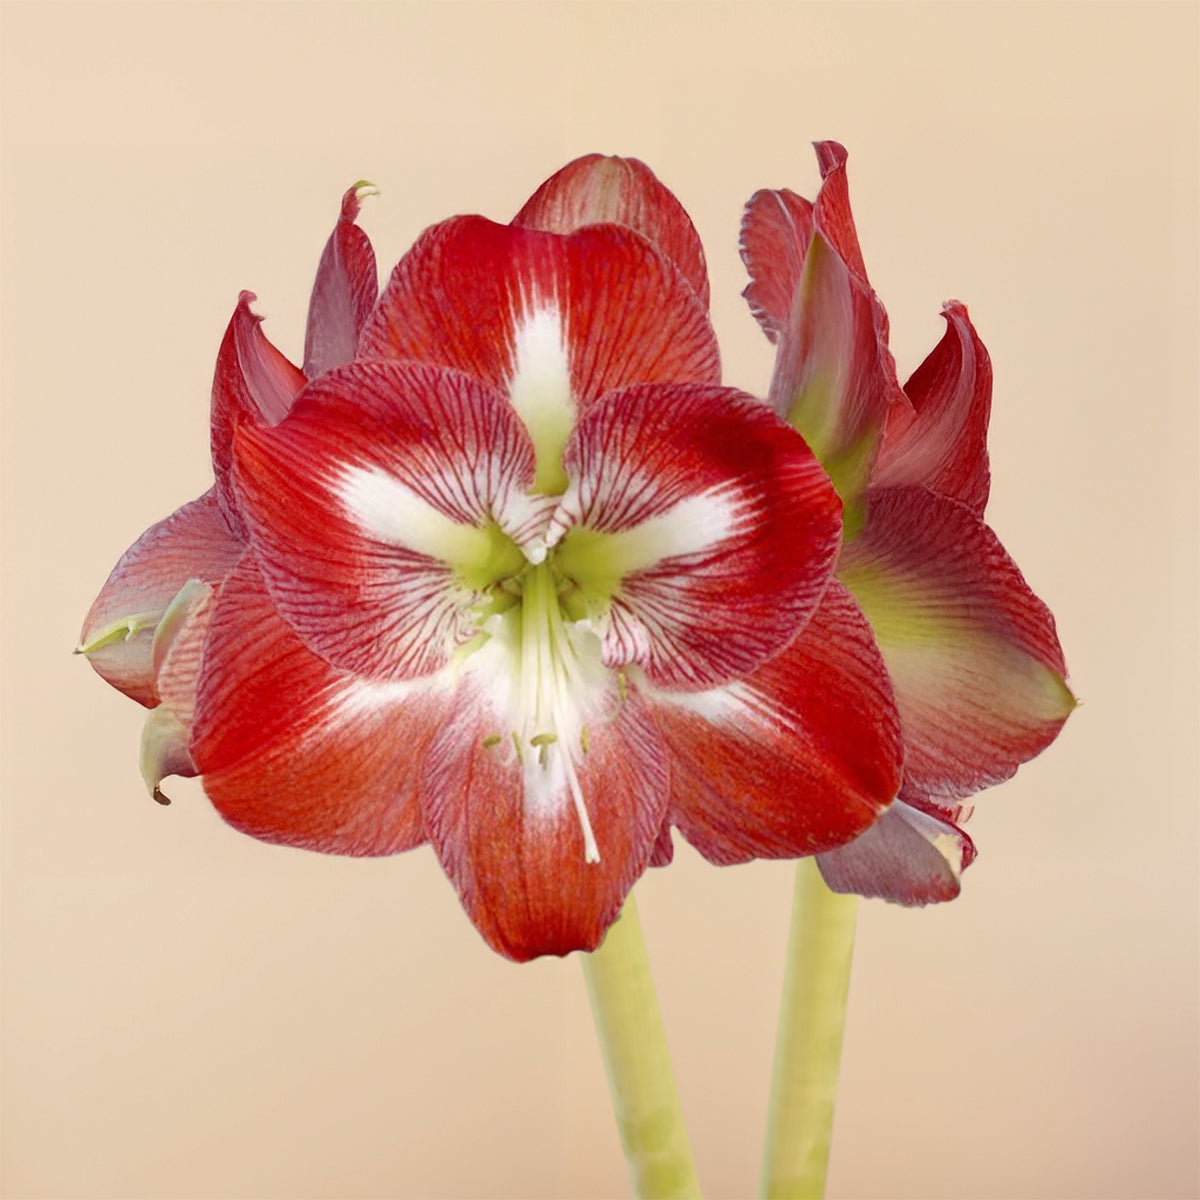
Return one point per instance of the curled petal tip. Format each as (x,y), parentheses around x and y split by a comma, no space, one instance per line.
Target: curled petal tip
(354,196)
(830,156)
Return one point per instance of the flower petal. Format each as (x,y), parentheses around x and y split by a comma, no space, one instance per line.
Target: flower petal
(699,528)
(973,654)
(253,383)
(835,379)
(941,441)
(177,651)
(542,842)
(345,290)
(551,321)
(908,856)
(195,542)
(776,229)
(296,752)
(383,507)
(601,189)
(800,757)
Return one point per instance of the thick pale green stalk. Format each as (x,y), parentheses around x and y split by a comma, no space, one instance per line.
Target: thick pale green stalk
(808,1045)
(634,1044)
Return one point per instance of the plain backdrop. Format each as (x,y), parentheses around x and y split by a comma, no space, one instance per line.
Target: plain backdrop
(190,1013)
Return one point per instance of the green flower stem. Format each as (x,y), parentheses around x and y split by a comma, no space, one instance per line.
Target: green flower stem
(808,1045)
(634,1045)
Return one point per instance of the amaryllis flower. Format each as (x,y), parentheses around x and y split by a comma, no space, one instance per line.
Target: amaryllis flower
(145,631)
(507,569)
(972,653)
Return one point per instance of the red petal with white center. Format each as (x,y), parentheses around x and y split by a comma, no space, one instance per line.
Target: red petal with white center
(601,189)
(941,442)
(253,383)
(554,322)
(700,530)
(344,293)
(908,856)
(195,542)
(973,654)
(776,229)
(535,874)
(296,752)
(798,758)
(374,511)
(835,378)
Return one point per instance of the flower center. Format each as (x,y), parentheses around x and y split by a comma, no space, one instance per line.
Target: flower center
(548,682)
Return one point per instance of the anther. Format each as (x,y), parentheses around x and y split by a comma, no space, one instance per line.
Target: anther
(543,742)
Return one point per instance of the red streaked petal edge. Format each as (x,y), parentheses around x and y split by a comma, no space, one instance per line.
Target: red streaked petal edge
(799,758)
(344,291)
(468,288)
(296,752)
(602,189)
(973,654)
(776,229)
(728,524)
(521,873)
(194,542)
(355,504)
(253,383)
(908,856)
(941,441)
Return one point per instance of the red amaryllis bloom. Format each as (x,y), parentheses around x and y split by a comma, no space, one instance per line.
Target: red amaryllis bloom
(505,568)
(973,656)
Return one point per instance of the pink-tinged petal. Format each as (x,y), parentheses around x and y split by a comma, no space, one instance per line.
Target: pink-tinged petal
(253,383)
(908,856)
(941,441)
(177,653)
(381,510)
(798,758)
(835,378)
(601,189)
(973,654)
(195,542)
(543,841)
(296,752)
(344,292)
(554,322)
(700,531)
(776,229)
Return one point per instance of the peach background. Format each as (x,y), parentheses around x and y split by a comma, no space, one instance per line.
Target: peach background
(188,1013)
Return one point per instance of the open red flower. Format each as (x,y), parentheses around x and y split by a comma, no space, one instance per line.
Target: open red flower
(972,653)
(505,568)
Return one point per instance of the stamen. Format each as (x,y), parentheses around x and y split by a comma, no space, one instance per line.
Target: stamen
(591,852)
(492,739)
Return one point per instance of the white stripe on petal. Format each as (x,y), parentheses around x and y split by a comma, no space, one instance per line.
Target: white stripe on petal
(540,389)
(389,510)
(599,559)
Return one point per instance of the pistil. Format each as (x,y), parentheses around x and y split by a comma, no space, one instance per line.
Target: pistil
(552,687)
